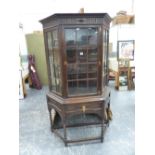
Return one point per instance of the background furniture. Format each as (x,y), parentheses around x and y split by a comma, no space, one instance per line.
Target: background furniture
(132,78)
(123,78)
(77,60)
(125,75)
(23,79)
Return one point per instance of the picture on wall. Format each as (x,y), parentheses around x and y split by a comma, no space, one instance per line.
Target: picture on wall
(125,49)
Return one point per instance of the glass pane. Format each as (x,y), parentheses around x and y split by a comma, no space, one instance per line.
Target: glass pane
(82,76)
(71,55)
(105,50)
(72,87)
(70,35)
(82,87)
(77,87)
(55,38)
(92,36)
(82,68)
(92,75)
(52,73)
(49,40)
(92,55)
(82,36)
(82,60)
(105,57)
(50,47)
(92,86)
(82,55)
(57,69)
(92,68)
(72,71)
(54,61)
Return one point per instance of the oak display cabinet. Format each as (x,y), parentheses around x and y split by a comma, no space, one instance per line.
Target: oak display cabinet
(76,48)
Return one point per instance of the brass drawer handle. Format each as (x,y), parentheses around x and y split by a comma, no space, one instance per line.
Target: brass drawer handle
(83,108)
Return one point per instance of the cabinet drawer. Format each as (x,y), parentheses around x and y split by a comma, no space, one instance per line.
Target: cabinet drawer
(83,107)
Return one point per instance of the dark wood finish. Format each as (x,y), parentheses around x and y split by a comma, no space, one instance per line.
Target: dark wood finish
(131,78)
(77,62)
(69,107)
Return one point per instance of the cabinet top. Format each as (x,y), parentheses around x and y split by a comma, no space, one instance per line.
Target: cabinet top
(75,15)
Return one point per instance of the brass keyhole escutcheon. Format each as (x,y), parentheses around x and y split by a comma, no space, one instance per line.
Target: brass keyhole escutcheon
(83,108)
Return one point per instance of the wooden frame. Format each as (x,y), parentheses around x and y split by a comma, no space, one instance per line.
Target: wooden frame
(125,49)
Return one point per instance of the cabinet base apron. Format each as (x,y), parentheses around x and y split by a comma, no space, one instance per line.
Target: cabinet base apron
(61,110)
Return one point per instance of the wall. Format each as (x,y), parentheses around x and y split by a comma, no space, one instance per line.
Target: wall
(35,45)
(121,32)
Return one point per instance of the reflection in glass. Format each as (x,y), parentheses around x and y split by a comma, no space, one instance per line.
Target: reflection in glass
(70,36)
(50,47)
(71,55)
(105,57)
(72,87)
(49,40)
(92,55)
(92,36)
(82,76)
(72,69)
(105,42)
(92,75)
(82,68)
(82,86)
(82,36)
(54,61)
(55,38)
(92,68)
(72,72)
(92,85)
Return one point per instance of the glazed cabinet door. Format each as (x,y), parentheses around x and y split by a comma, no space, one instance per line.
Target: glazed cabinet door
(54,61)
(81,49)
